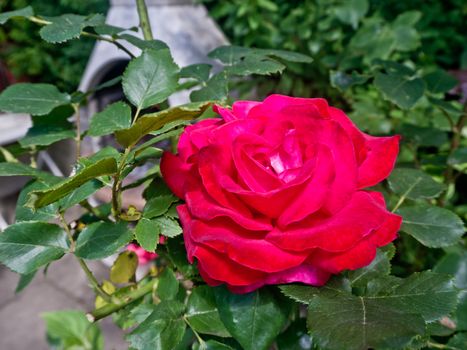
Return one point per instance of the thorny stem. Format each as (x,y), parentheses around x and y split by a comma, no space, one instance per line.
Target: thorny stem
(144,19)
(92,280)
(78,130)
(110,308)
(117,185)
(43,22)
(94,283)
(68,232)
(117,182)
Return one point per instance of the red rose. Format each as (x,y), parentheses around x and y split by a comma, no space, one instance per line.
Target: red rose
(274,193)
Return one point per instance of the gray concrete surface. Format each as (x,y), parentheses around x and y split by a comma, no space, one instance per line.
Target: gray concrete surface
(64,287)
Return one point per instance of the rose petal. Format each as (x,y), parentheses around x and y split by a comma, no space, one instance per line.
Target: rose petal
(304,273)
(338,232)
(203,207)
(217,267)
(314,193)
(279,106)
(361,254)
(242,246)
(380,160)
(376,155)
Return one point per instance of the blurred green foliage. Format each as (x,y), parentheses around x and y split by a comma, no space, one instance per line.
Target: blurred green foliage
(30,58)
(345,35)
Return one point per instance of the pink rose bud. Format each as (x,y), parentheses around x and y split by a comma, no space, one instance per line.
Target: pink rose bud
(144,256)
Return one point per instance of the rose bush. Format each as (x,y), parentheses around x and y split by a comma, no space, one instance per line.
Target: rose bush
(275,193)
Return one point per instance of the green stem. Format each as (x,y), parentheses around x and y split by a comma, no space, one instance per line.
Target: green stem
(78,130)
(110,308)
(94,283)
(144,19)
(109,40)
(92,280)
(117,185)
(68,232)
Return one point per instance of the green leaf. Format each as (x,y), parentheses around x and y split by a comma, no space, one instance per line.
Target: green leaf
(163,329)
(102,239)
(150,78)
(216,88)
(414,184)
(49,129)
(72,330)
(406,38)
(177,254)
(212,345)
(343,81)
(458,158)
(456,265)
(199,71)
(35,99)
(202,313)
(303,294)
(116,116)
(234,54)
(80,194)
(62,28)
(356,323)
(168,285)
(144,44)
(408,18)
(20,169)
(151,122)
(24,213)
(439,81)
(387,319)
(352,11)
(453,108)
(168,226)
(253,319)
(295,337)
(24,12)
(379,266)
(289,56)
(430,294)
(434,227)
(124,268)
(107,29)
(458,342)
(158,205)
(26,246)
(69,26)
(39,199)
(255,64)
(399,89)
(147,234)
(424,136)
(24,281)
